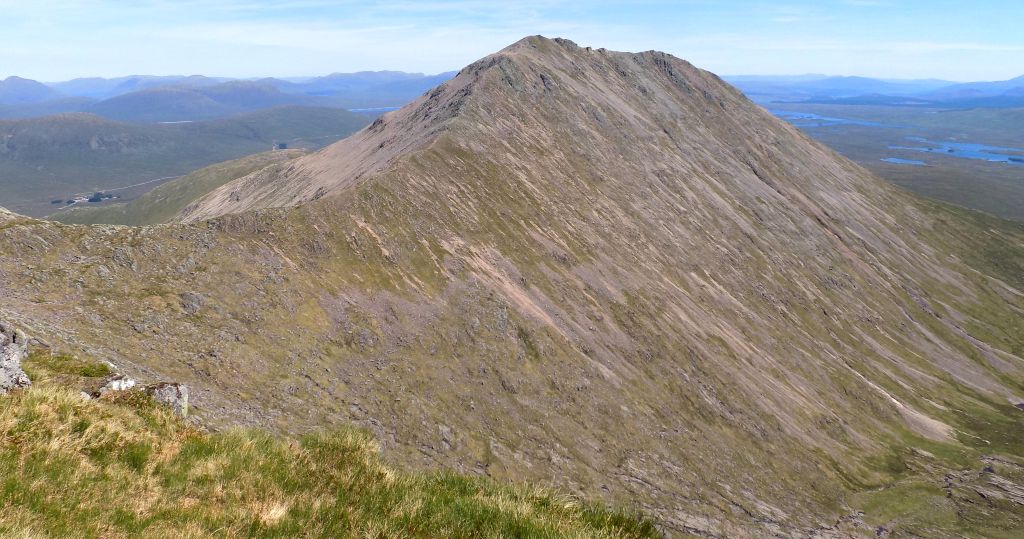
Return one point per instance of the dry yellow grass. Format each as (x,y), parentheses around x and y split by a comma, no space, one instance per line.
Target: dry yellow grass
(74,467)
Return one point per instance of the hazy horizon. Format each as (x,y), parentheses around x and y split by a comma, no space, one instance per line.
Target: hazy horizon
(64,39)
(430,74)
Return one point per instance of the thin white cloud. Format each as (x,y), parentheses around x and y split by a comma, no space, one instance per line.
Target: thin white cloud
(306,37)
(867,3)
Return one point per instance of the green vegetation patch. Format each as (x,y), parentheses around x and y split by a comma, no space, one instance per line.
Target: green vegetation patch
(998,428)
(913,500)
(41,365)
(96,468)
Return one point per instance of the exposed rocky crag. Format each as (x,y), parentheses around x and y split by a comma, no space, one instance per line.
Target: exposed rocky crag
(170,394)
(13,349)
(606,271)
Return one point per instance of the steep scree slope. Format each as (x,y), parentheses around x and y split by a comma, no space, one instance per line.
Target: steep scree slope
(603,270)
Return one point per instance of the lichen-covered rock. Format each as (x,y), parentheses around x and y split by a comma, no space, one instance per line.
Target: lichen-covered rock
(191,302)
(117,382)
(13,348)
(172,395)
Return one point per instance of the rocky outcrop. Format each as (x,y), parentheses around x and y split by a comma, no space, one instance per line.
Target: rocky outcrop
(172,395)
(191,302)
(13,348)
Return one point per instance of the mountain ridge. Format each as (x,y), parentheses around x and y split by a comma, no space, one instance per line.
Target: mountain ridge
(607,270)
(431,112)
(183,103)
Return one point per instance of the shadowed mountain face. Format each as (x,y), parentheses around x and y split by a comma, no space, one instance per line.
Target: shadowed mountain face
(605,270)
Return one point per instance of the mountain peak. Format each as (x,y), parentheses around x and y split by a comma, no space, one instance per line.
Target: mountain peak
(539,42)
(540,48)
(546,78)
(609,268)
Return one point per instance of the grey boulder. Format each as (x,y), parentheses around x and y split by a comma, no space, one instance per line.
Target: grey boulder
(13,349)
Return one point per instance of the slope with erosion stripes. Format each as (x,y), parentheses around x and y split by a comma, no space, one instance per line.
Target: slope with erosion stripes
(343,164)
(606,270)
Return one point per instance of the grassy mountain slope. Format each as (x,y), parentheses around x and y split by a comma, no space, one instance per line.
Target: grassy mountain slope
(165,202)
(602,269)
(123,466)
(44,108)
(56,157)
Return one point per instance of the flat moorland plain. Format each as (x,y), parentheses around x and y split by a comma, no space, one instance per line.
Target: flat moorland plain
(162,204)
(55,158)
(996,188)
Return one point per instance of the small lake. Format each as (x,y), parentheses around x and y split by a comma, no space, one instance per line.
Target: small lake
(806,119)
(966,150)
(898,161)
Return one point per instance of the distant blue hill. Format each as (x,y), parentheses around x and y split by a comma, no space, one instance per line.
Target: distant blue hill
(17,91)
(868,91)
(142,98)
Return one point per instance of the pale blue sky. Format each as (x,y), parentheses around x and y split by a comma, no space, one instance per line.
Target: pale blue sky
(60,39)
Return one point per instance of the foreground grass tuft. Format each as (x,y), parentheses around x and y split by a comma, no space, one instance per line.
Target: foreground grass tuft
(87,468)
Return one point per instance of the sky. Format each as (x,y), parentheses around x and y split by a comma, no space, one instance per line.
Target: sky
(56,40)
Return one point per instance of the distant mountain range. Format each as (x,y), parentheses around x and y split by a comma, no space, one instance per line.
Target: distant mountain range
(147,99)
(182,103)
(17,91)
(868,91)
(100,88)
(193,98)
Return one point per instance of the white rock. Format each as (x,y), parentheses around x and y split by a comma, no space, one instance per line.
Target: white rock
(120,383)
